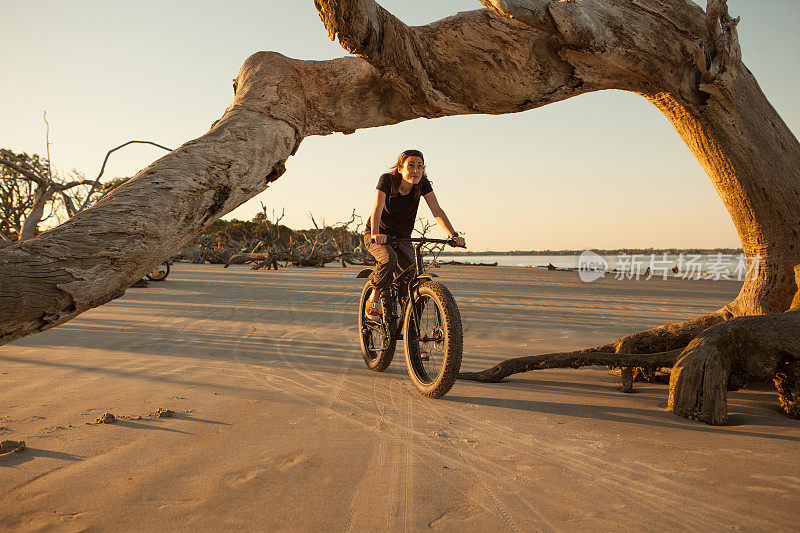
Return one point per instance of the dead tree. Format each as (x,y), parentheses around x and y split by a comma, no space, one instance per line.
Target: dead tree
(345,240)
(18,197)
(267,239)
(316,247)
(28,187)
(327,243)
(514,56)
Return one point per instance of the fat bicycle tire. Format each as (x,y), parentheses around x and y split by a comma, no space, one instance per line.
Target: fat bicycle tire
(434,378)
(377,358)
(158,273)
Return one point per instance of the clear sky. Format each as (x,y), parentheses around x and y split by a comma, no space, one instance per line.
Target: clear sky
(603,170)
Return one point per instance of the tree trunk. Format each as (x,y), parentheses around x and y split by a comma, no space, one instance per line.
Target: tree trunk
(517,55)
(753,160)
(41,195)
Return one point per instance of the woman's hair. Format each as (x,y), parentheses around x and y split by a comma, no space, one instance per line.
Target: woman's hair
(394,170)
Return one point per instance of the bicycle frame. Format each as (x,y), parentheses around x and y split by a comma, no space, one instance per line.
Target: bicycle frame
(413,283)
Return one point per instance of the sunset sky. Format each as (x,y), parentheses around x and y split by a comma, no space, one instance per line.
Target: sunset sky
(603,170)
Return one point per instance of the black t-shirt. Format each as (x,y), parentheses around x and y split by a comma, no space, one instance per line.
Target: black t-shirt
(400,210)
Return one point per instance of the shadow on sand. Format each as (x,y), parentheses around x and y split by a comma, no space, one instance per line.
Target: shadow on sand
(29,454)
(753,411)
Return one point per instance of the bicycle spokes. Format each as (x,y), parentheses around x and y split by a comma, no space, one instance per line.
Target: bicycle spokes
(377,345)
(435,335)
(429,343)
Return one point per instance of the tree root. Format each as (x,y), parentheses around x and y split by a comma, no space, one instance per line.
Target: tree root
(722,355)
(667,337)
(575,359)
(648,350)
(662,338)
(730,354)
(787,381)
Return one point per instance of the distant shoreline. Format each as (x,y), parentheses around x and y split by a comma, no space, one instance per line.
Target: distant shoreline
(617,251)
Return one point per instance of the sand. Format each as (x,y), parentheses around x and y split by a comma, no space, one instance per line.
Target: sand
(278,425)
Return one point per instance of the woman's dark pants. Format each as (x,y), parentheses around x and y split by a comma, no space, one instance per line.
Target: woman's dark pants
(389,257)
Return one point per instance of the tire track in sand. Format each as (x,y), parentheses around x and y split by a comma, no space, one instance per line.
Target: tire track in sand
(632,486)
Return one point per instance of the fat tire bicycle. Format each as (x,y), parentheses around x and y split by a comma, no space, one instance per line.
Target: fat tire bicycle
(428,323)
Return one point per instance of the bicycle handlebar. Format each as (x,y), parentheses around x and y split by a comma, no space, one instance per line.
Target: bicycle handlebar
(420,240)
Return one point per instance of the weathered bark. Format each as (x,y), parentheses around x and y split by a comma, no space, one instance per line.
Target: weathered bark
(689,66)
(662,338)
(787,381)
(518,55)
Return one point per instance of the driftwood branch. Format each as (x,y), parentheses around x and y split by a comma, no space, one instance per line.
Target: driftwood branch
(48,186)
(575,359)
(123,145)
(60,187)
(105,161)
(651,349)
(47,146)
(27,173)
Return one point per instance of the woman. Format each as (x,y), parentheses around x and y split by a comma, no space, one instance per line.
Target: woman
(393,214)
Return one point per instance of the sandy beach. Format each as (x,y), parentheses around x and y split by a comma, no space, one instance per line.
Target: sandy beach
(278,424)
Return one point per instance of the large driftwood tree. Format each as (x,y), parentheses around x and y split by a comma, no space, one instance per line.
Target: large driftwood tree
(513,56)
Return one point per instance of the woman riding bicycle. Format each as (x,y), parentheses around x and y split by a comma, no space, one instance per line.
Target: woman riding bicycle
(393,214)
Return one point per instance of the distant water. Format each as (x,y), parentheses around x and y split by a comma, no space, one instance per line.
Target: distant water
(705,264)
(560,261)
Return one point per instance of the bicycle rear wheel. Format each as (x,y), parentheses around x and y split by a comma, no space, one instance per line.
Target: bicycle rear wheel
(159,273)
(433,354)
(376,346)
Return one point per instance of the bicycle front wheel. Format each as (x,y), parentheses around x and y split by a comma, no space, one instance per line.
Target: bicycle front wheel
(376,347)
(433,354)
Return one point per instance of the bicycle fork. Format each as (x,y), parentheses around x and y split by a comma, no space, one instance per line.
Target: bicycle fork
(414,314)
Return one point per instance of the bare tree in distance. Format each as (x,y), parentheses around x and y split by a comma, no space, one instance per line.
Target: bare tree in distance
(18,194)
(513,56)
(31,193)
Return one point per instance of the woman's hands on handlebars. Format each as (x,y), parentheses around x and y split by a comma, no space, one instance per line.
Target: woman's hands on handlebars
(459,241)
(379,238)
(456,240)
